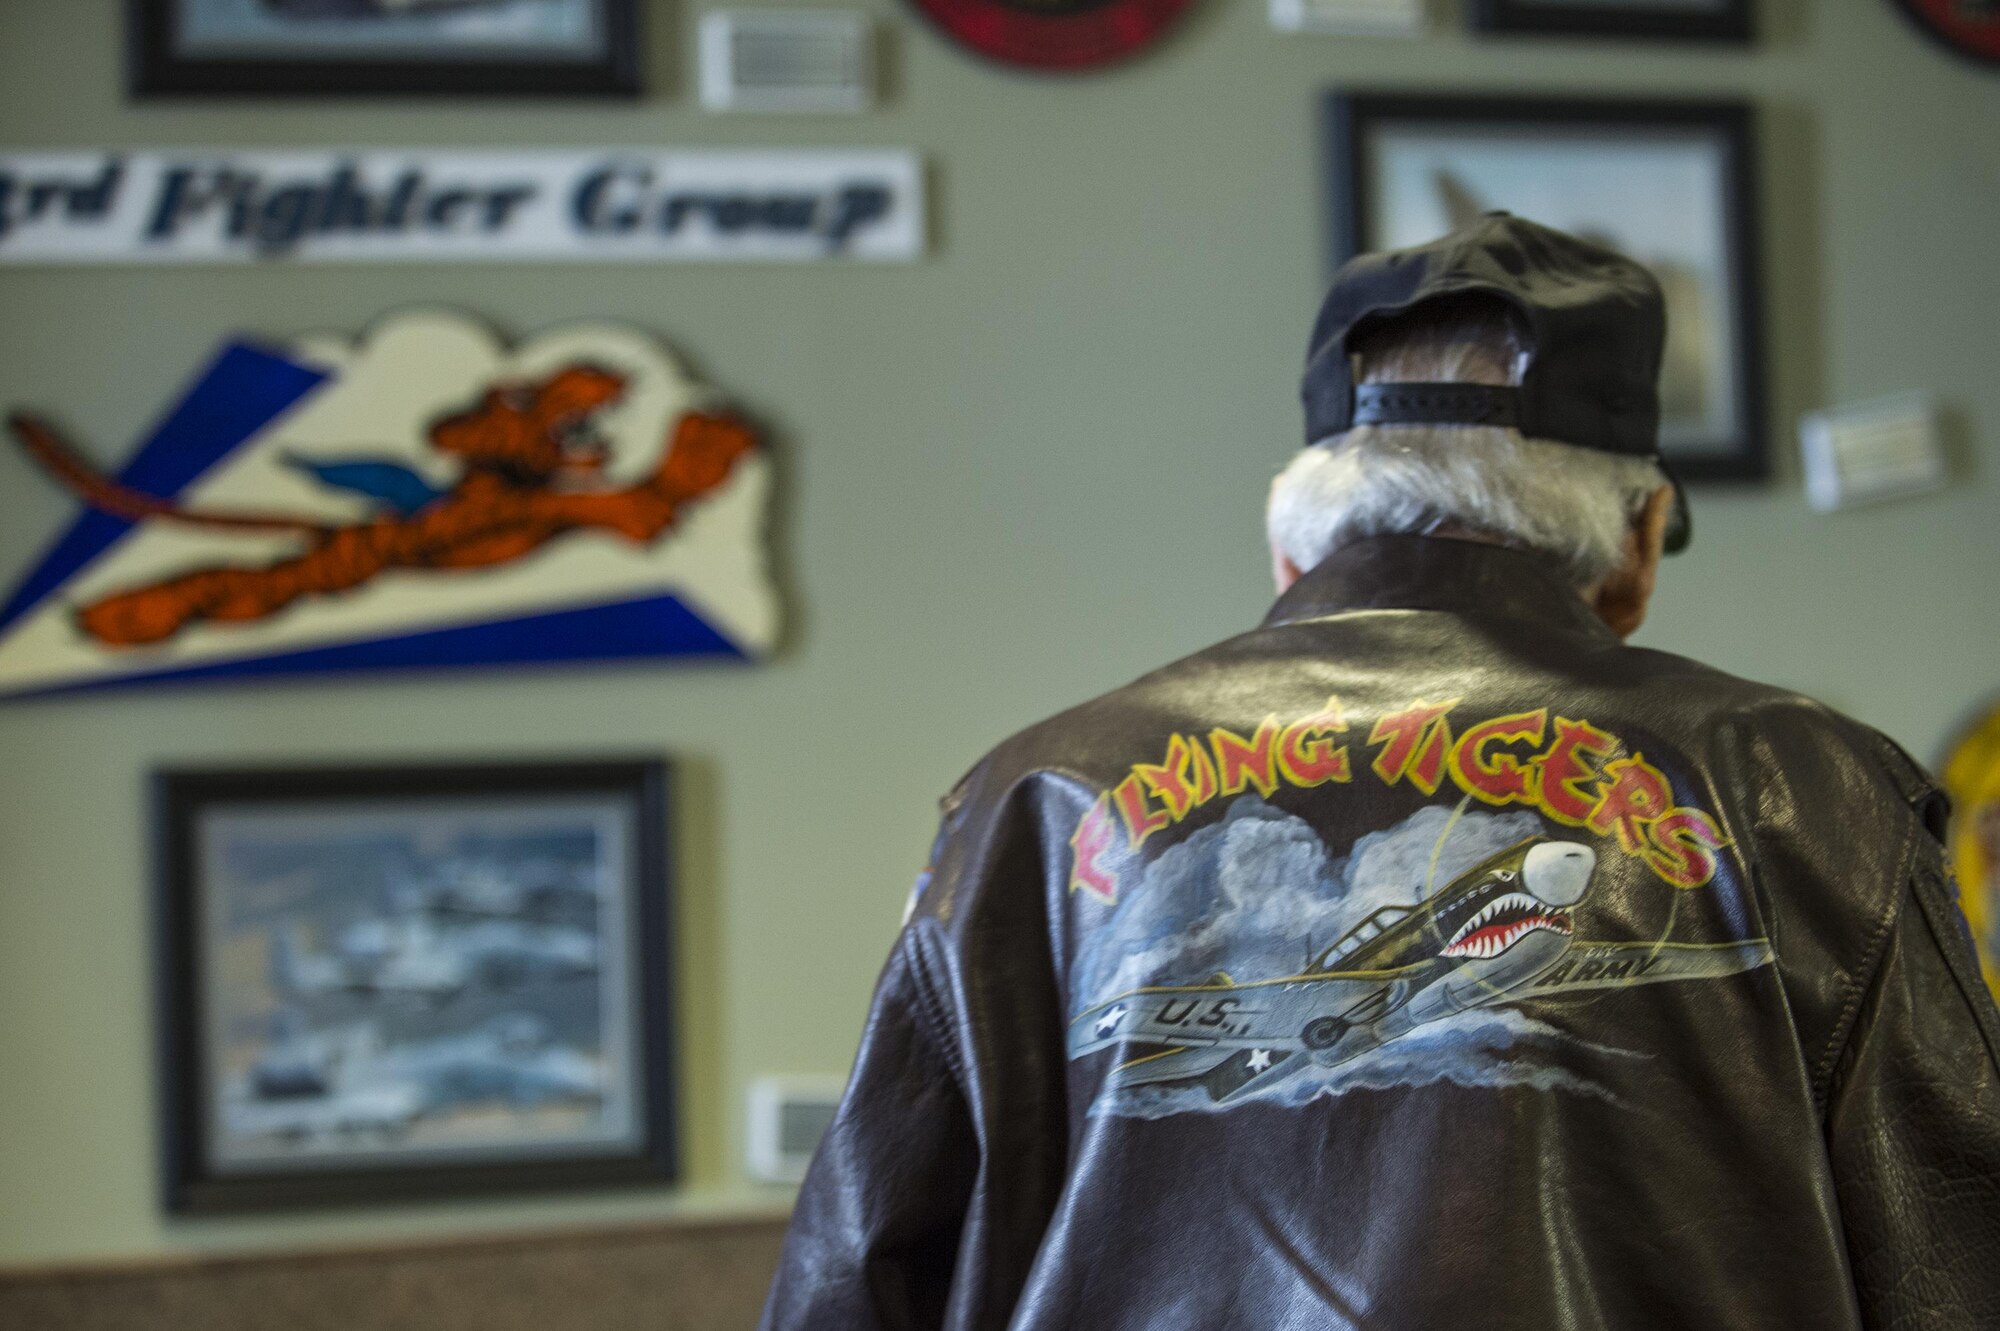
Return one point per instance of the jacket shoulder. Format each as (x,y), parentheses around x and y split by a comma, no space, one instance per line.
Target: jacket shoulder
(1027,793)
(1082,736)
(1821,755)
(1835,821)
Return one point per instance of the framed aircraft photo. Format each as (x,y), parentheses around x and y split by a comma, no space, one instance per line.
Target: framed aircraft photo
(1672,184)
(388,48)
(412,981)
(1674,20)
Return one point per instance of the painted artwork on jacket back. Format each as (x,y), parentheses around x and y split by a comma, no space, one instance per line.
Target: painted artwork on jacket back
(1250,960)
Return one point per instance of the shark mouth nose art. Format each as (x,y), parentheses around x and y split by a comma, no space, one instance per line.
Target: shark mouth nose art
(1503,922)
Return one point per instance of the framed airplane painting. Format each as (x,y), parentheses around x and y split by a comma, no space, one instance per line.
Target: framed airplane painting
(1672,184)
(383,48)
(1672,20)
(412,981)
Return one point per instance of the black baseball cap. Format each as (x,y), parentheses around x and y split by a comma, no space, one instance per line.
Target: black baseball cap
(1596,325)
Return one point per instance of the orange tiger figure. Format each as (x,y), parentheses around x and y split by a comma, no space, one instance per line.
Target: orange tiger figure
(524,448)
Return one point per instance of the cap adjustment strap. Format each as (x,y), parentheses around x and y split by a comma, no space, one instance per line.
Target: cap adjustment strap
(1436,404)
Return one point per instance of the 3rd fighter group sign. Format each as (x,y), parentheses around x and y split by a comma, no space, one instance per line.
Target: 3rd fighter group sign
(200,206)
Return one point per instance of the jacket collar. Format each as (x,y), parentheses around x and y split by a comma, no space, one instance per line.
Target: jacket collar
(1468,578)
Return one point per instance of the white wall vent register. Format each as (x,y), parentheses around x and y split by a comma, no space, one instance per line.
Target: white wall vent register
(1883,449)
(1391,18)
(788,1116)
(787,60)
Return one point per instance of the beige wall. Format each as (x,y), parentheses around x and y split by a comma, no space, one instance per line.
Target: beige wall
(1015,474)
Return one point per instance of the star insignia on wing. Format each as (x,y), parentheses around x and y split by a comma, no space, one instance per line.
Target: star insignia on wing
(1109,1021)
(1260,1060)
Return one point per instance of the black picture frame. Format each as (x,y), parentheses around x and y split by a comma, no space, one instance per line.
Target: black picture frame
(157,68)
(187,977)
(1353,118)
(1722,21)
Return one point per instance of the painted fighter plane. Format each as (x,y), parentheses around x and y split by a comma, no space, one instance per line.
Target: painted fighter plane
(405,971)
(1495,933)
(301,1087)
(352,1083)
(412,956)
(369,9)
(465,888)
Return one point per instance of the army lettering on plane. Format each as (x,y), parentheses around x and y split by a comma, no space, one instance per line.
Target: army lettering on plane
(1615,965)
(1567,769)
(1499,933)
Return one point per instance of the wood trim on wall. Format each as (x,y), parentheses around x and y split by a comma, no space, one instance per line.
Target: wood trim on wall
(702,1275)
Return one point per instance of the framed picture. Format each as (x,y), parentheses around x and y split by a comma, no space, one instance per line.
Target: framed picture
(1672,184)
(1689,20)
(408,981)
(311,48)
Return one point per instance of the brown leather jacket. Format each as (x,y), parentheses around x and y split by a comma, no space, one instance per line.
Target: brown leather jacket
(1425,958)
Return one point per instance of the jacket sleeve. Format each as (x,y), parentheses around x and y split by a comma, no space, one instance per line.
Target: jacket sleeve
(1914,1125)
(875,1233)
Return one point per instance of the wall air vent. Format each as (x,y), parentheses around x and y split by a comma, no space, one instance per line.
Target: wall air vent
(787,60)
(788,1116)
(1387,18)
(1867,451)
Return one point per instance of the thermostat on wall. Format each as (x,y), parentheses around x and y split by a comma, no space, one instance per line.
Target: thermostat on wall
(1398,18)
(1873,450)
(788,1116)
(796,60)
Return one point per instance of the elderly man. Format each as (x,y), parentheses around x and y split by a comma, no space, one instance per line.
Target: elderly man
(1427,957)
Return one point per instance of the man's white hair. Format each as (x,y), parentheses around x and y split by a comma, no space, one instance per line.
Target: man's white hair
(1575,504)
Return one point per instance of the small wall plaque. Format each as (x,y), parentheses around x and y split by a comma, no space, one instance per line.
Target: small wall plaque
(1884,449)
(1391,18)
(783,60)
(788,1116)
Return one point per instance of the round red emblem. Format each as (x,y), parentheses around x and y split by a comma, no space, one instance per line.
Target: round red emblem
(1969,27)
(1055,34)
